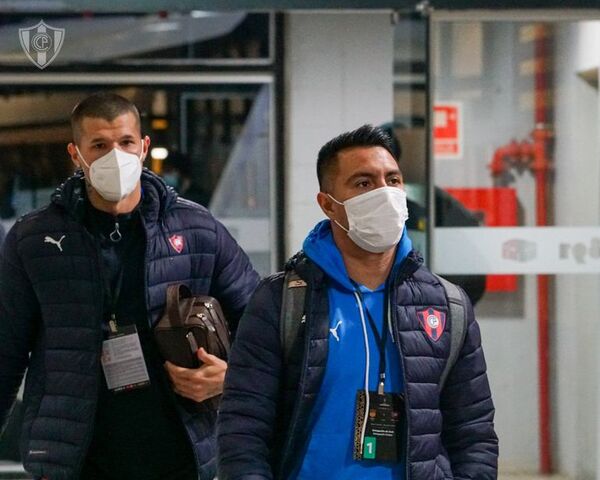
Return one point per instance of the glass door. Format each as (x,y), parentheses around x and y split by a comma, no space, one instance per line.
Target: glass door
(515,144)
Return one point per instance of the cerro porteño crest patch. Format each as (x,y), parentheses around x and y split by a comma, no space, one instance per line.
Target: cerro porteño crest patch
(433,322)
(177,242)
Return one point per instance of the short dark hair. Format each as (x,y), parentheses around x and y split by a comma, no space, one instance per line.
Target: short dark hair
(105,105)
(365,136)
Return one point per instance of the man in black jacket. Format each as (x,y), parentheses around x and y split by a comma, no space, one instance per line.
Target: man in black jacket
(357,392)
(82,282)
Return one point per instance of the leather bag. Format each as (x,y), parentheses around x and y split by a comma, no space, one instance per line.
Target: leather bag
(188,323)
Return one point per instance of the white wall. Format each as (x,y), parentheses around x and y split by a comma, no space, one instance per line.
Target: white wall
(491,87)
(338,69)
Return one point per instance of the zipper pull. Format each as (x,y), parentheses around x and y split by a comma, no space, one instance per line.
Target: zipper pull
(115,236)
(381,384)
(112,323)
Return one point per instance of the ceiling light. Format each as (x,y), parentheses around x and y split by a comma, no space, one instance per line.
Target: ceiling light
(200,13)
(162,27)
(159,153)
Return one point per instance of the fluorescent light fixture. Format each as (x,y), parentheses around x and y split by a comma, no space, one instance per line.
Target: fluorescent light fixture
(159,27)
(200,13)
(159,153)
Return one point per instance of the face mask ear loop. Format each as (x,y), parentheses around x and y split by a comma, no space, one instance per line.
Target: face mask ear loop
(336,222)
(81,156)
(341,226)
(336,201)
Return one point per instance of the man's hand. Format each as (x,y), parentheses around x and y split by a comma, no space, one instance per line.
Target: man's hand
(199,384)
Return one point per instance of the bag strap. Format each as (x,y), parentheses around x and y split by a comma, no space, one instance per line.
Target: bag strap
(292,311)
(174,294)
(458,331)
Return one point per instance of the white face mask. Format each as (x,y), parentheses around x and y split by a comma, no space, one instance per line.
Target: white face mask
(376,218)
(116,174)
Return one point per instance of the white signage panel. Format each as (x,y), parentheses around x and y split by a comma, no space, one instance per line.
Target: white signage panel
(516,250)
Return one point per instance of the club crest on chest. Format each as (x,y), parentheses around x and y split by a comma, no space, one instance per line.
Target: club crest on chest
(177,242)
(433,322)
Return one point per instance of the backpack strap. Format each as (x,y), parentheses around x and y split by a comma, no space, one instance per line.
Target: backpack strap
(458,331)
(292,312)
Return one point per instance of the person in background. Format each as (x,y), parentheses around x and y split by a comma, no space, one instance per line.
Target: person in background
(177,173)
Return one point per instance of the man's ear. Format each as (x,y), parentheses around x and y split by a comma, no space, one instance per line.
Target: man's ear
(326,204)
(74,155)
(146,147)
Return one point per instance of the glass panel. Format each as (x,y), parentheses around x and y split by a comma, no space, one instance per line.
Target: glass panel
(100,42)
(410,117)
(515,156)
(216,139)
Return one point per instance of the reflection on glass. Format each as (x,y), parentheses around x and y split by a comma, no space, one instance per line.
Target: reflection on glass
(516,144)
(99,41)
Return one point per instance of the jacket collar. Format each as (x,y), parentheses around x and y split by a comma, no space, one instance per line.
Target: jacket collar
(312,274)
(157,197)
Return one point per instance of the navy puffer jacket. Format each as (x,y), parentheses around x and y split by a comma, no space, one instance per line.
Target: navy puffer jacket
(51,307)
(266,407)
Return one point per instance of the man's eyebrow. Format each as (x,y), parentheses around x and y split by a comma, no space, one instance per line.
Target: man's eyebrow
(356,175)
(127,136)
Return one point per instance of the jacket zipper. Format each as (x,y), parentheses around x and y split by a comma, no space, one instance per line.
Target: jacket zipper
(163,379)
(393,298)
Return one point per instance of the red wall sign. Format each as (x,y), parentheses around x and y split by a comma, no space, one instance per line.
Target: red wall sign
(447,130)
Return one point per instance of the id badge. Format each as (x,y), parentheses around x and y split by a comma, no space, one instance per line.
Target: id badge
(123,361)
(384,427)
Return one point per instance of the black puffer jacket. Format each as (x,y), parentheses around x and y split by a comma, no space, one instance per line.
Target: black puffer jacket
(266,407)
(51,306)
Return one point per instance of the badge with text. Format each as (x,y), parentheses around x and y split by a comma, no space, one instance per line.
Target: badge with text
(384,427)
(123,361)
(433,322)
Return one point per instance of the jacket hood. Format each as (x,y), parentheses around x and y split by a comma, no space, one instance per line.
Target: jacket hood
(320,247)
(157,197)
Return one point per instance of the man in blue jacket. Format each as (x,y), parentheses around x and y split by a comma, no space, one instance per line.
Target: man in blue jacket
(357,394)
(82,282)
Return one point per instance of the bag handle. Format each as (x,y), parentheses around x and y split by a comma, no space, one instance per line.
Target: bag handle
(174,294)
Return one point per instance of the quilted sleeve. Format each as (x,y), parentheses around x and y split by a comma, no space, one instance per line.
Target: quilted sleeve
(468,412)
(234,278)
(247,415)
(18,311)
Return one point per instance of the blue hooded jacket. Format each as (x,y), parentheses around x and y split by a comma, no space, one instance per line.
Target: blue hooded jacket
(329,451)
(269,407)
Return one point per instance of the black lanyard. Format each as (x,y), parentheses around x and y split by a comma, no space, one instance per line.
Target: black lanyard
(114,292)
(113,295)
(381,339)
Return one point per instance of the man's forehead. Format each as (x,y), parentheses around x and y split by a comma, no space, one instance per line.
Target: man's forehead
(366,159)
(98,126)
